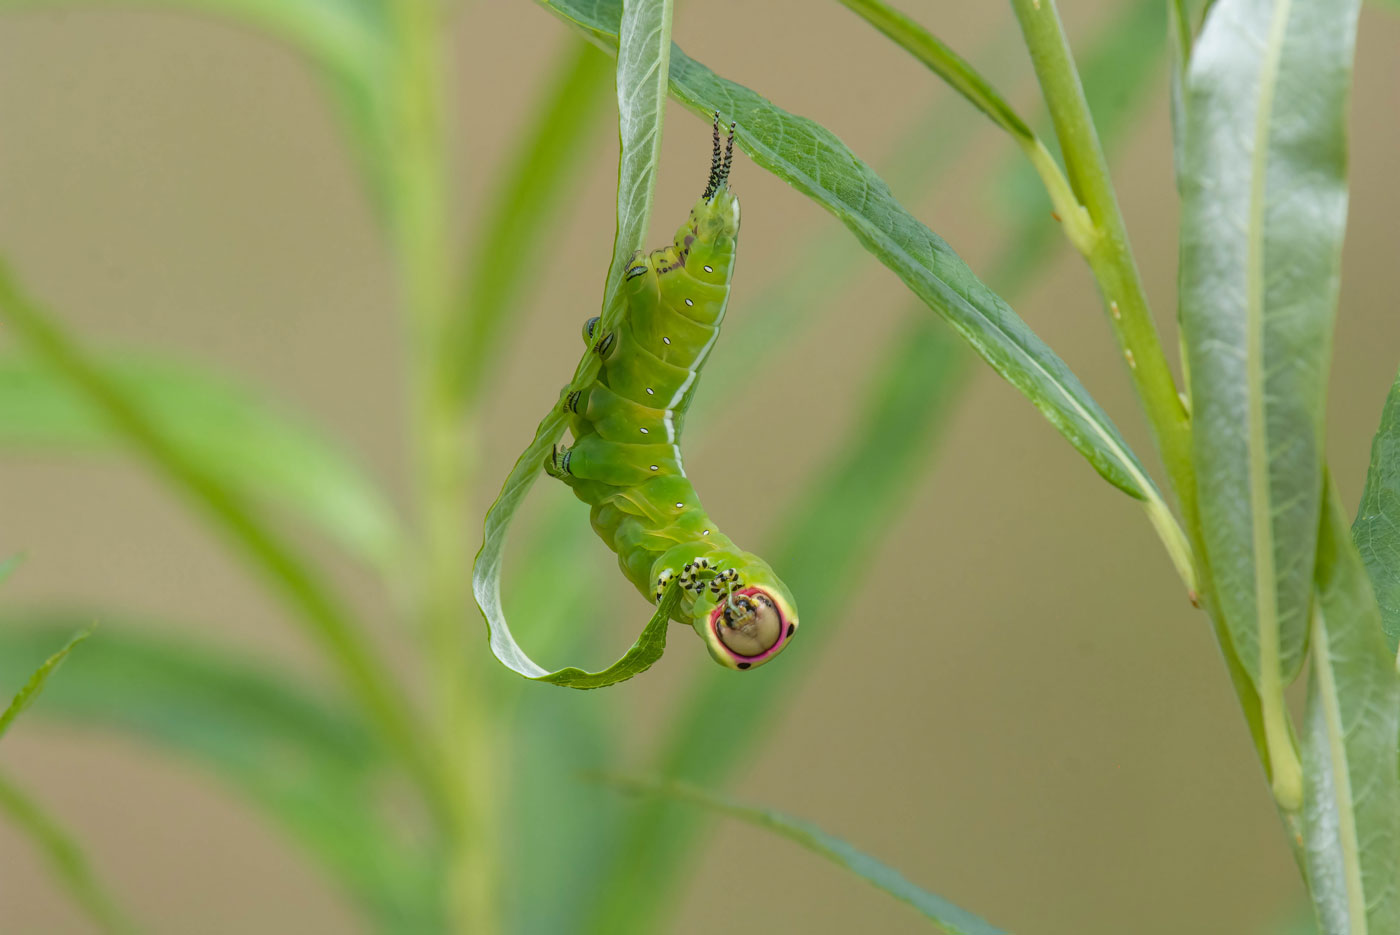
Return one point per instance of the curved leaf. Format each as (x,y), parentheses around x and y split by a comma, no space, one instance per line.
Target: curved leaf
(1264,200)
(948,917)
(641,99)
(1351,819)
(226,429)
(309,763)
(811,159)
(1377,527)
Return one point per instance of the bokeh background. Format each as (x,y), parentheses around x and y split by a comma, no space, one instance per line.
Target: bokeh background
(1021,710)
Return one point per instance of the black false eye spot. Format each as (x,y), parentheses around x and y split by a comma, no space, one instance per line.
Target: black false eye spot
(636,271)
(791,628)
(745,665)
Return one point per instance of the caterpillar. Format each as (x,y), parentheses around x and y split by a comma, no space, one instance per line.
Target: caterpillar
(625,460)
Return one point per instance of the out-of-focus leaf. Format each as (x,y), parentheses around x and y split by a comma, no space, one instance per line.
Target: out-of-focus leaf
(541,168)
(67,862)
(228,430)
(641,96)
(1351,816)
(31,689)
(910,404)
(816,163)
(948,917)
(309,763)
(290,576)
(1264,199)
(1377,527)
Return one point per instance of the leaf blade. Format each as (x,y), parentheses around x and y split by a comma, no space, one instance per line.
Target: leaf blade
(816,163)
(1351,820)
(31,689)
(230,431)
(952,919)
(1376,530)
(1263,215)
(642,69)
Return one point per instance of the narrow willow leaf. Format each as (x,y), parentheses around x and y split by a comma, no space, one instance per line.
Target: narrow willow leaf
(641,97)
(1377,527)
(230,431)
(821,552)
(1263,214)
(288,574)
(309,763)
(1351,819)
(541,169)
(811,159)
(35,685)
(948,917)
(67,862)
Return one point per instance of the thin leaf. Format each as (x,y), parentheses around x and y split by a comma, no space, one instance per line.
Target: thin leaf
(307,761)
(35,685)
(290,576)
(229,431)
(641,95)
(947,916)
(816,163)
(1264,201)
(68,863)
(1377,527)
(820,552)
(1351,819)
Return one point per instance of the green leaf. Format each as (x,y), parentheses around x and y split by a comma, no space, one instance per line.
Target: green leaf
(1377,527)
(229,431)
(641,96)
(289,575)
(308,762)
(1351,816)
(1264,199)
(68,863)
(35,685)
(836,521)
(947,916)
(816,163)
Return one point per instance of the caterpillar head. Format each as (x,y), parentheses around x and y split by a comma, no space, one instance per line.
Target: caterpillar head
(750,626)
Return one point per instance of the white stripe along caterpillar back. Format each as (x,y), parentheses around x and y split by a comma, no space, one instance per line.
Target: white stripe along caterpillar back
(626,459)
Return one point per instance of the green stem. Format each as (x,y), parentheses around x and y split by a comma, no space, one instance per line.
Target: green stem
(290,575)
(443,442)
(1111,257)
(1111,261)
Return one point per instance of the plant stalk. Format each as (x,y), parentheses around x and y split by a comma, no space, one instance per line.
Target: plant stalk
(443,440)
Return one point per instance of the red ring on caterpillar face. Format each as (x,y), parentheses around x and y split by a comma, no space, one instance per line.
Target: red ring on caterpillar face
(785,629)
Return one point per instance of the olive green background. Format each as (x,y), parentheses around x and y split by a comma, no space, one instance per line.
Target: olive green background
(1021,711)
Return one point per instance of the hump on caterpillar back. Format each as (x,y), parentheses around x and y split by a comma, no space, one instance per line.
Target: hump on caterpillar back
(713,225)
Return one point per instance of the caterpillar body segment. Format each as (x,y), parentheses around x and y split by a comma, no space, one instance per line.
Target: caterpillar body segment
(625,460)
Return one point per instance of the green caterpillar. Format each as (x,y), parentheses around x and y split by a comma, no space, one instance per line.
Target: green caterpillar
(625,461)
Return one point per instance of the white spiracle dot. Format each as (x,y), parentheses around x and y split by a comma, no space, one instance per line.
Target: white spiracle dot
(651,392)
(666,340)
(655,467)
(646,431)
(689,301)
(709,269)
(679,504)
